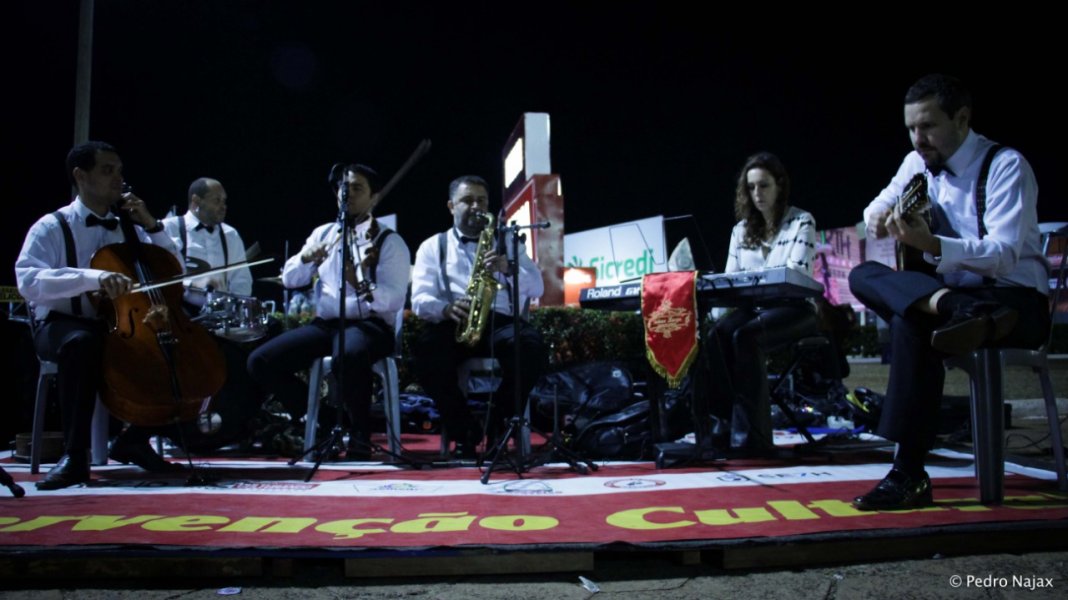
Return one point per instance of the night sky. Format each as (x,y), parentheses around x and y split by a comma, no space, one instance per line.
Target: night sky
(654,107)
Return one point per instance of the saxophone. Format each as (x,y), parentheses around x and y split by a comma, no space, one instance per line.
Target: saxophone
(481,289)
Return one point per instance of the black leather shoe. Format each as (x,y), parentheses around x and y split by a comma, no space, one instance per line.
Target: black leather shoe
(897,491)
(140,454)
(70,470)
(972,326)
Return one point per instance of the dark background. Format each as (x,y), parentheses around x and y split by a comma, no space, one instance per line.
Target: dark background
(654,107)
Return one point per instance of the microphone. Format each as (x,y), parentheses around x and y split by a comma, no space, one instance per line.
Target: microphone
(336,179)
(513,226)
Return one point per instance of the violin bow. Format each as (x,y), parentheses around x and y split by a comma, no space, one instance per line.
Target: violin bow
(183,276)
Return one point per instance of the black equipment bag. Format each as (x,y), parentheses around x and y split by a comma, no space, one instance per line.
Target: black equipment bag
(584,392)
(624,434)
(601,416)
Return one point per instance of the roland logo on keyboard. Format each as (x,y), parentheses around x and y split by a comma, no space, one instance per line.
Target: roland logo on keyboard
(614,291)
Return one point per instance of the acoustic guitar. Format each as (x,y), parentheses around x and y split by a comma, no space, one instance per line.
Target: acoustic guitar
(914,204)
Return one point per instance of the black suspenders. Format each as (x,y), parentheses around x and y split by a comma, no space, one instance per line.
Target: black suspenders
(72,259)
(980,196)
(980,187)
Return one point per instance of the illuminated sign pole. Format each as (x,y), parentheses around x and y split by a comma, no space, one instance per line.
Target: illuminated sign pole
(532,193)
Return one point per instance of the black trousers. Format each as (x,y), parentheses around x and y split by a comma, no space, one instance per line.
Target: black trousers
(76,345)
(437,356)
(274,364)
(741,340)
(914,391)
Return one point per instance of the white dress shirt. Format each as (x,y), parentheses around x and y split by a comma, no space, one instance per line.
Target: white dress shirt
(391,276)
(794,246)
(207,246)
(1011,251)
(433,290)
(43,277)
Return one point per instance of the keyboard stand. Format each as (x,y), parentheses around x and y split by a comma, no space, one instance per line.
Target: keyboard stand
(680,454)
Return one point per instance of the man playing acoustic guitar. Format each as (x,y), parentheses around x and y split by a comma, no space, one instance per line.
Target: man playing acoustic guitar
(988,268)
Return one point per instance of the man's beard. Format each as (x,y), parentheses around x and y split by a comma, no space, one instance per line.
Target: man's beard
(932,158)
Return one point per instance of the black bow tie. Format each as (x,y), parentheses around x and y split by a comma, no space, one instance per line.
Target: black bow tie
(210,228)
(468,240)
(939,168)
(109,223)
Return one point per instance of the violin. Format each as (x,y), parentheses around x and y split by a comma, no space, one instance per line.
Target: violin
(159,366)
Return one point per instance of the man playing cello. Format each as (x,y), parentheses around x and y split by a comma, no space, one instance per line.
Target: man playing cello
(54,276)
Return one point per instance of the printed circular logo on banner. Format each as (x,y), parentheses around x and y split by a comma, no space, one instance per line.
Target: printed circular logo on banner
(528,488)
(634,484)
(402,487)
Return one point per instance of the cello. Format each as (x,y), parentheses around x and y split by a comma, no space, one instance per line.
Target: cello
(159,366)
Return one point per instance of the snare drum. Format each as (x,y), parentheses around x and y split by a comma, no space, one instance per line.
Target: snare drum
(235,317)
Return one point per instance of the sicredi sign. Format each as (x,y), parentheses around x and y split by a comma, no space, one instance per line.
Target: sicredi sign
(619,252)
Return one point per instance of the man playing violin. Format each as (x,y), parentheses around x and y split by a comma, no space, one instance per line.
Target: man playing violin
(53,274)
(375,285)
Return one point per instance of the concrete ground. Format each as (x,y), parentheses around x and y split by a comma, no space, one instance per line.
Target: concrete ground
(1032,576)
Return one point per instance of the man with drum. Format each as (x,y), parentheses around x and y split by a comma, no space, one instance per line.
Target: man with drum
(206,242)
(224,304)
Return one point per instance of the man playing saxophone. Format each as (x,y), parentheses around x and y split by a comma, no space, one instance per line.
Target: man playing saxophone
(444,266)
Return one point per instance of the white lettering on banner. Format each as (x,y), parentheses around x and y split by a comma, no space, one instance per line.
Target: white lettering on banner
(624,291)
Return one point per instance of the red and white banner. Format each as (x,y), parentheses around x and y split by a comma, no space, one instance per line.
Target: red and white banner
(270,507)
(669,310)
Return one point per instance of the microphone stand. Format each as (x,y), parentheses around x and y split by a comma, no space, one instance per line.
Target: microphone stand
(337,433)
(519,421)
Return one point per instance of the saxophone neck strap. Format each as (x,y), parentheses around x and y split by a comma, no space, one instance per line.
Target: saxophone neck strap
(443,253)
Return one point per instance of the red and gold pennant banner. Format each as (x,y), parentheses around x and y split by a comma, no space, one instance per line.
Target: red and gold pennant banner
(669,310)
